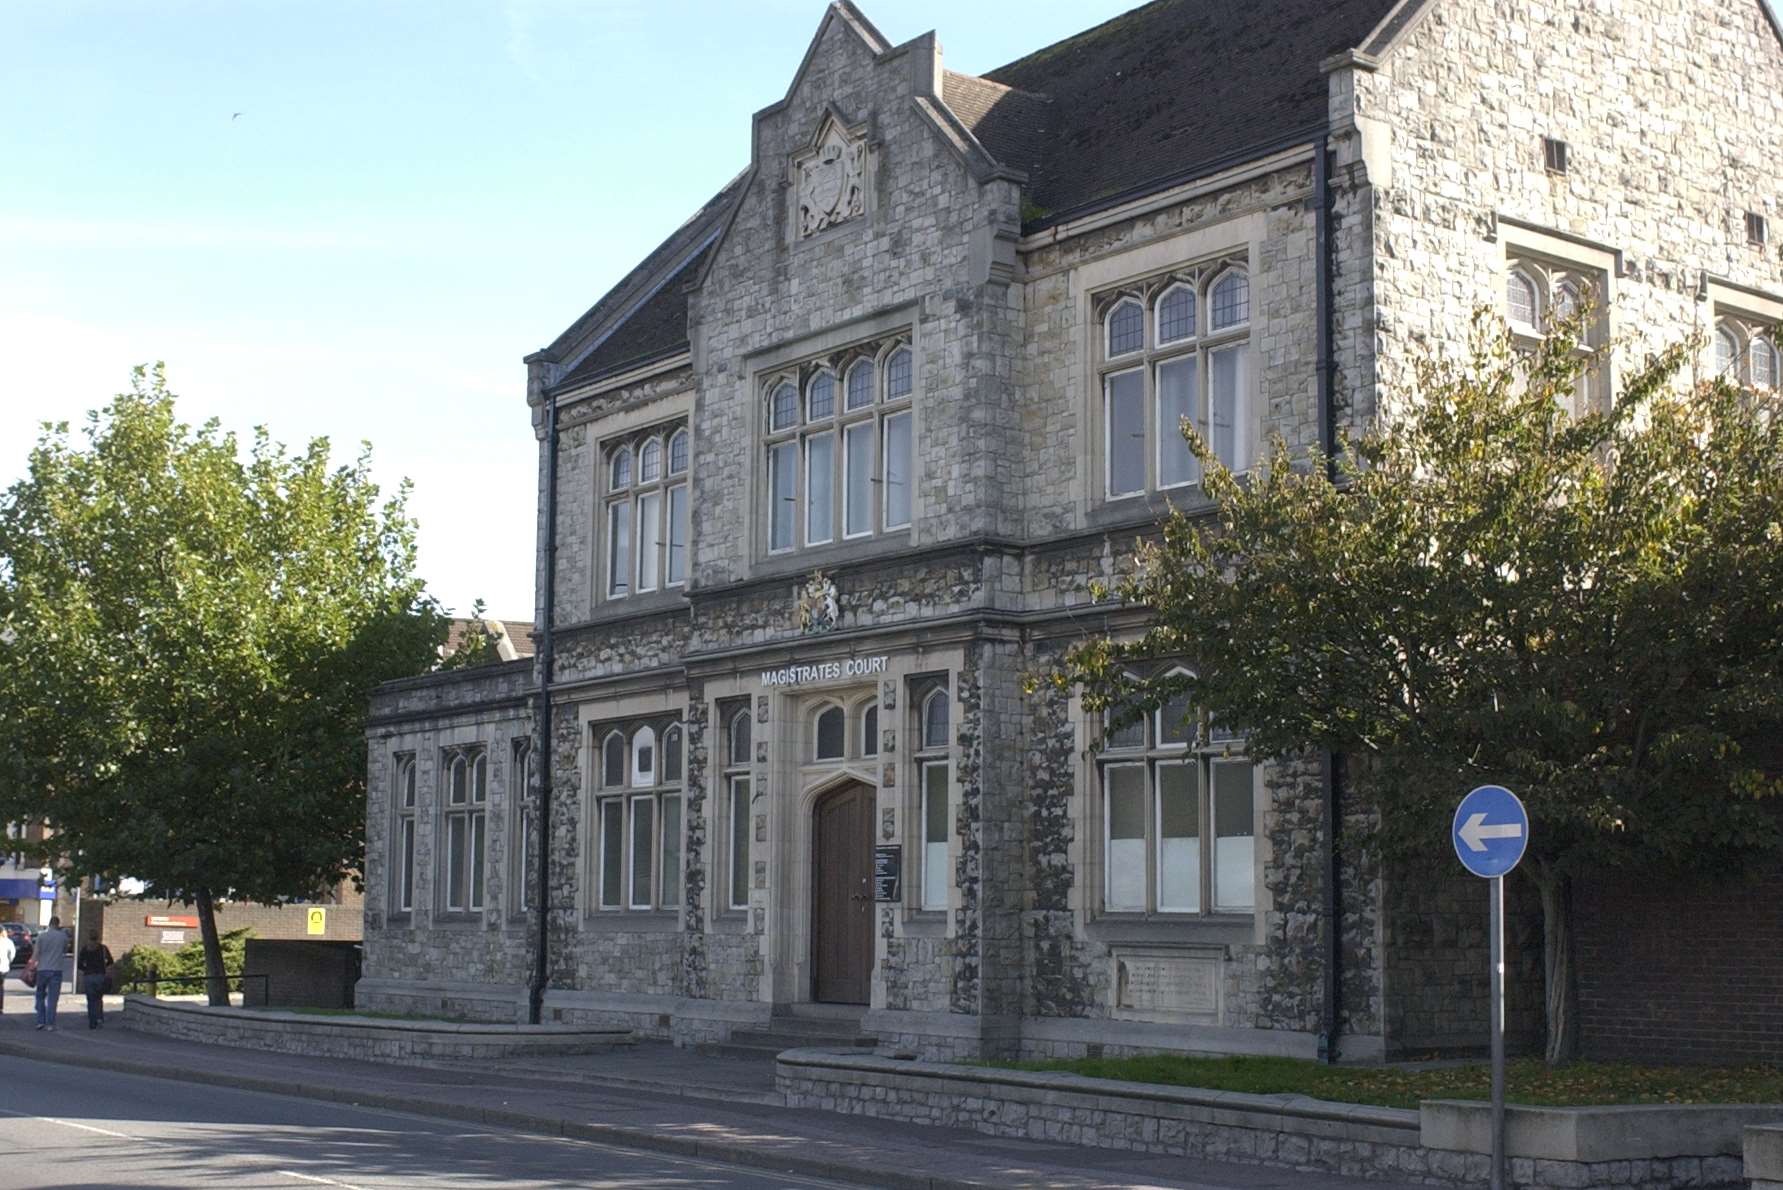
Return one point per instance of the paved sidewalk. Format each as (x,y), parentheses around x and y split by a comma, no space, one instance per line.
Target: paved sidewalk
(635,1099)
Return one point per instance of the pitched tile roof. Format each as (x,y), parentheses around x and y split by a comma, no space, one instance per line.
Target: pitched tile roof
(645,315)
(1158,93)
(1170,88)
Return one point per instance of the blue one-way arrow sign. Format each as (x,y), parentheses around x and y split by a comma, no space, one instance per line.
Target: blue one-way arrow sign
(1491,830)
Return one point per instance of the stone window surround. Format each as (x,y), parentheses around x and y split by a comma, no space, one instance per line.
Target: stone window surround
(838,369)
(892,322)
(1746,310)
(1552,258)
(1239,238)
(659,707)
(918,691)
(732,771)
(632,443)
(475,756)
(522,801)
(1552,283)
(1148,295)
(405,802)
(1206,748)
(1087,862)
(854,710)
(584,494)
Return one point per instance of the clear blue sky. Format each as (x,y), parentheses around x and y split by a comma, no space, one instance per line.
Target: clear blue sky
(414,196)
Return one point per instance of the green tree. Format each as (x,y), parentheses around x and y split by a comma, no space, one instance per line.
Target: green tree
(189,633)
(1585,609)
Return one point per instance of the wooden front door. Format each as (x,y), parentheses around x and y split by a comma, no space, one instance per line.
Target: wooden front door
(842,896)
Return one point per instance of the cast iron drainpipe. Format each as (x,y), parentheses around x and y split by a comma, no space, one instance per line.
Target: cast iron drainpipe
(1332,812)
(536,998)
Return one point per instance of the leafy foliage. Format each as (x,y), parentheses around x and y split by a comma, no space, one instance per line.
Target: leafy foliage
(1588,610)
(140,964)
(189,632)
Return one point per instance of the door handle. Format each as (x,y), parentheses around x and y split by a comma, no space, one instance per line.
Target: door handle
(860,897)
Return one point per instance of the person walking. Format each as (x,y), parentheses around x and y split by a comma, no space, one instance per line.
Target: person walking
(8,952)
(51,954)
(92,964)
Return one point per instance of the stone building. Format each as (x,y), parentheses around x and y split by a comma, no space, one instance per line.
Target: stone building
(834,467)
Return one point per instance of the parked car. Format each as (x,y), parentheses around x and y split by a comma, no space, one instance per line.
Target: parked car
(23,937)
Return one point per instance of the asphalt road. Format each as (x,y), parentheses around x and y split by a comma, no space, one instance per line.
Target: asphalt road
(79,1129)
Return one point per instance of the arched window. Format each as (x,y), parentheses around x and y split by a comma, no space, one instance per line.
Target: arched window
(1230,300)
(1727,352)
(1126,327)
(404,892)
(1766,369)
(613,761)
(783,406)
(621,469)
(897,375)
(832,733)
(467,831)
(1175,727)
(643,756)
(820,397)
(678,453)
(1566,300)
(1176,314)
(870,730)
(934,720)
(671,755)
(860,385)
(1130,735)
(1520,302)
(650,462)
(739,742)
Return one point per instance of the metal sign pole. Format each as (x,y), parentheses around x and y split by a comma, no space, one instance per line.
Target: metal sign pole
(1496,897)
(1490,833)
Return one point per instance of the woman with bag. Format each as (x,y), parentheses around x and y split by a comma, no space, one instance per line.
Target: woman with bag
(93,966)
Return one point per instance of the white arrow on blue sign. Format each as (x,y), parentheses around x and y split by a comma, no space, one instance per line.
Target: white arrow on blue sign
(1491,831)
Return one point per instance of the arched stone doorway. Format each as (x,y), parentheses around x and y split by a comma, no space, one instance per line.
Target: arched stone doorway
(842,895)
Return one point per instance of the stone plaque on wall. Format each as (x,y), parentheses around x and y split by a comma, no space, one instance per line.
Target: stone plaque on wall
(1167,984)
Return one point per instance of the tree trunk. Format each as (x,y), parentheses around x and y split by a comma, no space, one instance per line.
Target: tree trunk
(1560,985)
(215,985)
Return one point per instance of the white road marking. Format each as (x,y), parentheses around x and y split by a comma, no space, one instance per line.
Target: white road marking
(70,1124)
(310,1177)
(150,1140)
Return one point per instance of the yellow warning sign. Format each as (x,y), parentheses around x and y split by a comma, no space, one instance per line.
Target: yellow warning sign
(318,922)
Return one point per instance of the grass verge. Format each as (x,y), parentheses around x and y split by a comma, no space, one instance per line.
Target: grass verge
(1527,1080)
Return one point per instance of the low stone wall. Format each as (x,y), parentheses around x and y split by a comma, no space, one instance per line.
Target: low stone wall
(680,1019)
(368,1039)
(1444,1143)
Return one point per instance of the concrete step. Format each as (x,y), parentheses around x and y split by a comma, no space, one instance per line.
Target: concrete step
(787,1040)
(814,1011)
(809,1027)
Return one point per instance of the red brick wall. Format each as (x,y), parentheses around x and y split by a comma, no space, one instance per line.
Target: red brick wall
(124,922)
(1690,973)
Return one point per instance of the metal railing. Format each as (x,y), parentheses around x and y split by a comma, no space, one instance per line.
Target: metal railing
(152,983)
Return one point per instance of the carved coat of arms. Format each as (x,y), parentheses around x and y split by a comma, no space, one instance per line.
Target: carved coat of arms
(832,182)
(816,603)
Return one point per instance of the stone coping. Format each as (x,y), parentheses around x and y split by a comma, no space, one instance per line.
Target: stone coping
(369,1024)
(1026,1083)
(1626,1132)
